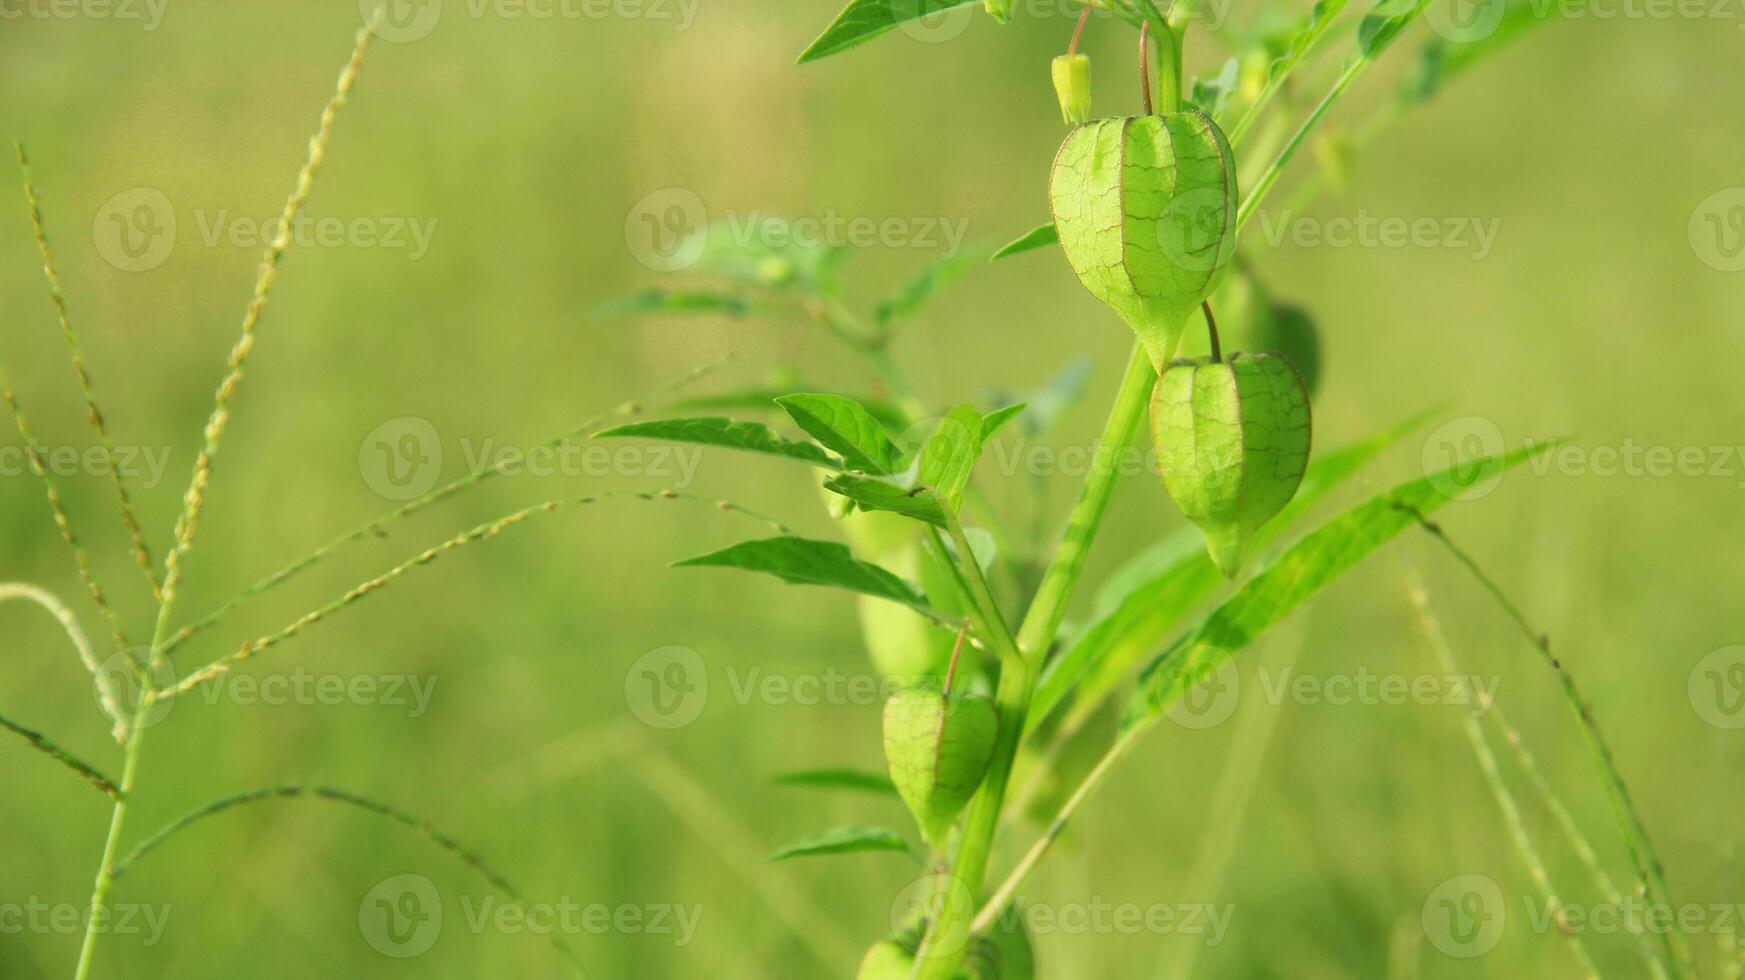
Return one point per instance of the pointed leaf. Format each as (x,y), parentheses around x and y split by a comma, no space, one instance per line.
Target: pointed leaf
(764,400)
(996,420)
(1302,570)
(949,454)
(872,493)
(938,273)
(845,840)
(851,779)
(863,20)
(724,433)
(675,301)
(843,426)
(1040,236)
(803,561)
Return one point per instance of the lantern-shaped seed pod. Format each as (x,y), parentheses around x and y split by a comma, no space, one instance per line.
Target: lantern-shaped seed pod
(1232,440)
(937,747)
(1145,208)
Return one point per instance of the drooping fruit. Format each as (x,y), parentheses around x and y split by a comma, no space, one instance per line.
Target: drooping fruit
(1145,208)
(1232,440)
(937,747)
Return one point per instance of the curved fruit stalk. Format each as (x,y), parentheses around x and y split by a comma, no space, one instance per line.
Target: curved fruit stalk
(937,747)
(1232,440)
(1146,212)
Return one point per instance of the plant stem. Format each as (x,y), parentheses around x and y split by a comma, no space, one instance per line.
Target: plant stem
(1049,606)
(1640,846)
(949,935)
(147,674)
(1212,333)
(1274,169)
(1002,897)
(112,843)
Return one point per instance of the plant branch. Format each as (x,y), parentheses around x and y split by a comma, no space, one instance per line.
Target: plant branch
(105,683)
(950,932)
(293,791)
(1487,764)
(1634,831)
(483,532)
(93,414)
(43,744)
(376,527)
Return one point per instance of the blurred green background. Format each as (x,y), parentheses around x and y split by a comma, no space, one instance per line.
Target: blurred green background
(523,144)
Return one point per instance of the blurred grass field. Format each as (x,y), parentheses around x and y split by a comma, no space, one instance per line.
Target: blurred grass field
(522,145)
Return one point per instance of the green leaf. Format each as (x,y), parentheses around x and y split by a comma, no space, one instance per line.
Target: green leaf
(845,840)
(872,493)
(1299,572)
(996,420)
(938,273)
(1040,236)
(949,454)
(675,301)
(1444,58)
(1384,23)
(938,747)
(1212,94)
(843,426)
(1145,598)
(1146,211)
(851,779)
(724,433)
(863,20)
(764,400)
(804,561)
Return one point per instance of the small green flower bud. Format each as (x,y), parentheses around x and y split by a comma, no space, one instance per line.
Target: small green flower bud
(1072,85)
